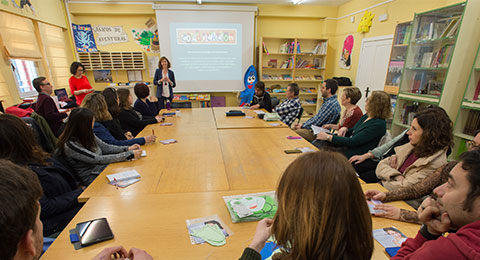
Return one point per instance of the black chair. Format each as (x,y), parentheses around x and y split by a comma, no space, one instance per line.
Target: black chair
(275,102)
(181,105)
(40,136)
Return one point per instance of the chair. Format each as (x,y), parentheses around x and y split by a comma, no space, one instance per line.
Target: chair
(40,137)
(181,104)
(299,117)
(274,101)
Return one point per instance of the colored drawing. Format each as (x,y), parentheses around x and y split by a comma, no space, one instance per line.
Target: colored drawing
(84,40)
(345,58)
(251,207)
(366,22)
(250,79)
(147,39)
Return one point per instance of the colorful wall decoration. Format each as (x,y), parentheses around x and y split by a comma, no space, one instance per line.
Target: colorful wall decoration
(84,40)
(366,22)
(345,58)
(106,35)
(26,6)
(147,39)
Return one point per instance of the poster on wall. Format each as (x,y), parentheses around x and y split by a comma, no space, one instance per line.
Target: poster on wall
(24,6)
(84,40)
(106,35)
(346,57)
(152,64)
(103,76)
(147,39)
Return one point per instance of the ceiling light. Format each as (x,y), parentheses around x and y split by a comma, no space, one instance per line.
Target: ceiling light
(199,2)
(296,2)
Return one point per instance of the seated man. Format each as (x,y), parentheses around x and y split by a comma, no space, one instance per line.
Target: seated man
(456,209)
(329,113)
(290,108)
(261,99)
(20,226)
(45,105)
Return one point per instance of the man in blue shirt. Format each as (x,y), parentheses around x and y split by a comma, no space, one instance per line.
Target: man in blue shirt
(329,113)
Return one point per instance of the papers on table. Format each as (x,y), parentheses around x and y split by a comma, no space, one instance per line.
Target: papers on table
(259,112)
(124,179)
(389,237)
(317,129)
(210,229)
(305,149)
(144,153)
(168,141)
(251,207)
(371,205)
(166,124)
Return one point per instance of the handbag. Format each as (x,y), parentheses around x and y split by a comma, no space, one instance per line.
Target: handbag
(20,112)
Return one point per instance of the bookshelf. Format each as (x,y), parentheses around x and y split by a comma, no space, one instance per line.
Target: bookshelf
(427,62)
(397,57)
(468,118)
(300,60)
(112,60)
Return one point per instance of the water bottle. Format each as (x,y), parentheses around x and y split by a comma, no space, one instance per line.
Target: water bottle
(177,113)
(168,105)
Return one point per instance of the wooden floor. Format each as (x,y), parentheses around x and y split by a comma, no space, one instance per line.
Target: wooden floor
(215,156)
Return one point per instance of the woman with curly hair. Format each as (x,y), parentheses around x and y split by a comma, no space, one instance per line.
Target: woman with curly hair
(322,213)
(367,132)
(430,137)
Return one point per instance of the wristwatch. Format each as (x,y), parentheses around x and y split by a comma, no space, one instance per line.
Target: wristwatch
(426,234)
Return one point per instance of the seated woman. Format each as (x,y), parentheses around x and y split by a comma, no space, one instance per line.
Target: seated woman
(113,126)
(419,190)
(146,106)
(366,164)
(60,190)
(310,223)
(261,99)
(97,104)
(86,153)
(367,132)
(430,136)
(131,120)
(352,113)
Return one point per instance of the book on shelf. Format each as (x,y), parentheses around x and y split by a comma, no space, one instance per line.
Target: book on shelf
(451,28)
(473,122)
(320,48)
(265,50)
(477,91)
(272,63)
(287,77)
(408,112)
(442,56)
(396,66)
(286,47)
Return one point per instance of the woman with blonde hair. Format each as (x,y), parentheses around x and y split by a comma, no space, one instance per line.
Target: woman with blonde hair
(322,213)
(97,104)
(368,131)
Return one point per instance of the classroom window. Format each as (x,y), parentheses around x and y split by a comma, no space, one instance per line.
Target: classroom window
(25,71)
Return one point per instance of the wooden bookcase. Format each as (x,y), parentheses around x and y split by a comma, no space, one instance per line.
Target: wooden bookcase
(397,57)
(112,60)
(468,118)
(429,52)
(300,60)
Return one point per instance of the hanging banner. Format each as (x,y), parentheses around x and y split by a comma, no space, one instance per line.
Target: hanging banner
(109,34)
(147,39)
(84,40)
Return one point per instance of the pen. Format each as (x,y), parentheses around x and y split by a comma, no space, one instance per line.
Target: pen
(153,131)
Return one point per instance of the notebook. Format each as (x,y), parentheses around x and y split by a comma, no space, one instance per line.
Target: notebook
(124,179)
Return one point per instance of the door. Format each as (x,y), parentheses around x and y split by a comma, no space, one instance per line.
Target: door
(373,65)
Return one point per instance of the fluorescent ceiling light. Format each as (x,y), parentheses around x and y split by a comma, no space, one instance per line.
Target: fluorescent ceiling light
(296,2)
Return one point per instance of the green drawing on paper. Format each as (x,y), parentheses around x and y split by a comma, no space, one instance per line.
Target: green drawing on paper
(212,234)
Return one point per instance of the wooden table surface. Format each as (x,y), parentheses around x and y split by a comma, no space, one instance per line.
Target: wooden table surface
(240,122)
(255,158)
(156,223)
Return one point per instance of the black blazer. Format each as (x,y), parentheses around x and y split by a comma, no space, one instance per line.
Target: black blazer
(60,191)
(131,120)
(146,109)
(158,76)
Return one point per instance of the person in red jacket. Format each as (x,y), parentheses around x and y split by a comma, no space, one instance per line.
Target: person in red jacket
(46,107)
(454,208)
(79,84)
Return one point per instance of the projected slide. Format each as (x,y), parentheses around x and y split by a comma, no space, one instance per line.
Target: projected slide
(206,51)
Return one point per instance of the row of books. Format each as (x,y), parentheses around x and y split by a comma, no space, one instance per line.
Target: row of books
(201,97)
(289,77)
(301,63)
(319,49)
(284,89)
(473,122)
(408,112)
(289,47)
(433,28)
(403,34)
(430,59)
(426,83)
(396,66)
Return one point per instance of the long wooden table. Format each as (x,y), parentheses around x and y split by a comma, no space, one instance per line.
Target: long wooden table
(241,122)
(156,223)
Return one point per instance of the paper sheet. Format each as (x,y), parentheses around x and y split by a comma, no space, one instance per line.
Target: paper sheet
(317,129)
(121,176)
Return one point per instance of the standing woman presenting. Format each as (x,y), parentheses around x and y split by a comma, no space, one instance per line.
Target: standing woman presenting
(164,79)
(79,84)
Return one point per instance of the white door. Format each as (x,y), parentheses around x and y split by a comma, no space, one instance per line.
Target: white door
(373,65)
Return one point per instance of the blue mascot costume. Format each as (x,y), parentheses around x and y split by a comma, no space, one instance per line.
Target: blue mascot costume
(249,80)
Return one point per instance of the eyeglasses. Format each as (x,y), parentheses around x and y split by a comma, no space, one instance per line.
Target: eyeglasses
(45,84)
(472,145)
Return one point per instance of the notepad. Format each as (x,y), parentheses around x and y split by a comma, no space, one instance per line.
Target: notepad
(166,124)
(144,153)
(305,149)
(371,205)
(259,112)
(317,129)
(124,179)
(168,141)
